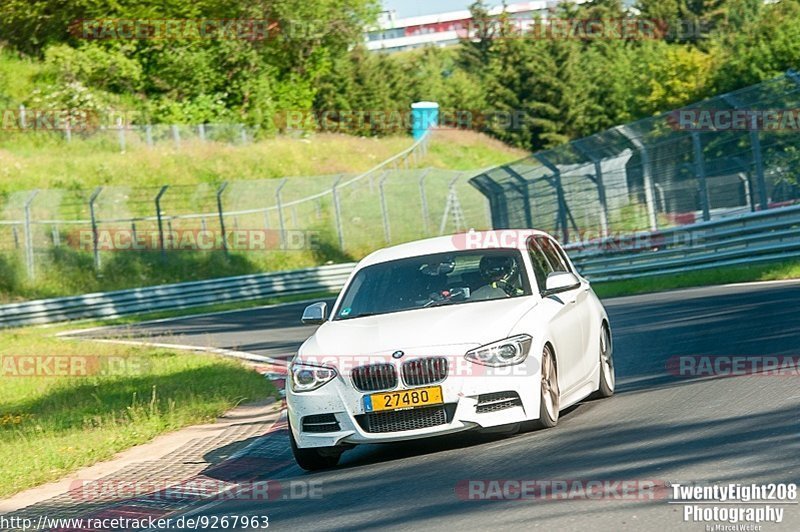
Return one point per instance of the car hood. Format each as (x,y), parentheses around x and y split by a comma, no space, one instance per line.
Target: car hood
(463,324)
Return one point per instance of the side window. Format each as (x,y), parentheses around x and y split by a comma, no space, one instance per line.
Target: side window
(554,255)
(541,266)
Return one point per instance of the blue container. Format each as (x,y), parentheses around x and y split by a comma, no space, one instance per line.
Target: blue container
(424,116)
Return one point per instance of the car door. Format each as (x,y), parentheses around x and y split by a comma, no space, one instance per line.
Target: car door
(583,309)
(565,316)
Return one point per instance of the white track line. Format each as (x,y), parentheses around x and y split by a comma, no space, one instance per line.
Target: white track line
(241,355)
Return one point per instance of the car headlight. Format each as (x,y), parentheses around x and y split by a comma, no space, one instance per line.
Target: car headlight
(502,353)
(305,377)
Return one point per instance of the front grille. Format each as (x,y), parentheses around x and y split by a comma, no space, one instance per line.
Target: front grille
(320,423)
(400,420)
(424,371)
(375,378)
(492,402)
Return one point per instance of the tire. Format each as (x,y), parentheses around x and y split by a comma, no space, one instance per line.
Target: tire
(315,458)
(607,373)
(550,399)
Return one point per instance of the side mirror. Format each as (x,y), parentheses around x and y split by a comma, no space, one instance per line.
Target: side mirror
(560,281)
(315,314)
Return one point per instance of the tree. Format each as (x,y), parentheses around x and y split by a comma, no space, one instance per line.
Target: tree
(476,46)
(764,48)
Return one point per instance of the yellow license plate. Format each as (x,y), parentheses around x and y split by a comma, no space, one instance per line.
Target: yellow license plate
(402,399)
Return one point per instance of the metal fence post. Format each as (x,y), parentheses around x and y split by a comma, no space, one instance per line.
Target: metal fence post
(700,169)
(337,211)
(646,175)
(451,204)
(201,132)
(121,135)
(176,136)
(520,184)
(660,201)
(243,133)
(755,142)
(95,238)
(22,122)
(220,190)
(160,222)
(598,181)
(148,135)
(281,224)
(562,207)
(755,145)
(424,199)
(29,256)
(387,232)
(562,214)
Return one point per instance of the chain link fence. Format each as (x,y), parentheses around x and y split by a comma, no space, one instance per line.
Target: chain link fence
(346,215)
(734,153)
(124,135)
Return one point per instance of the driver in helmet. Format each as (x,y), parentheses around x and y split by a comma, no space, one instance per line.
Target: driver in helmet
(499,272)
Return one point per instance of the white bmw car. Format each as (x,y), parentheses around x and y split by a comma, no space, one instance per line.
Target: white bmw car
(480,330)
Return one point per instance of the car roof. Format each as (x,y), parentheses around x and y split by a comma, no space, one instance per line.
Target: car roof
(472,240)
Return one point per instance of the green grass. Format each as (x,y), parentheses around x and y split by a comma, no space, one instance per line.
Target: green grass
(66,173)
(33,160)
(50,426)
(65,271)
(738,274)
(18,75)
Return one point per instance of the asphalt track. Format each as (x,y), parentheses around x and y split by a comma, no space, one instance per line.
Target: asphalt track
(658,427)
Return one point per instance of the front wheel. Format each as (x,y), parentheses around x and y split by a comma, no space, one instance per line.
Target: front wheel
(607,373)
(315,458)
(550,395)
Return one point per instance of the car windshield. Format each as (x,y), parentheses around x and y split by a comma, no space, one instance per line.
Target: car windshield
(434,280)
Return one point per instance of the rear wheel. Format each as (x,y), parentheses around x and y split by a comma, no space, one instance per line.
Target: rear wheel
(315,458)
(607,373)
(550,394)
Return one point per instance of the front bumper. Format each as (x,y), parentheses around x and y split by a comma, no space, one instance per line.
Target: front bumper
(461,395)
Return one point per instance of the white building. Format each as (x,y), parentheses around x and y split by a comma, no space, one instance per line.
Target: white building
(443,29)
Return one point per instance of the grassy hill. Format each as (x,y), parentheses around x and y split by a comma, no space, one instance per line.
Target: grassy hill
(65,173)
(38,160)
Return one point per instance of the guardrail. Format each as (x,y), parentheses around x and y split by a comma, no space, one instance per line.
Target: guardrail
(747,239)
(753,238)
(176,296)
